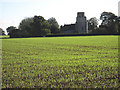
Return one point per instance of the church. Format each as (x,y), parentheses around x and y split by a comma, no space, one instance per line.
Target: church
(80,26)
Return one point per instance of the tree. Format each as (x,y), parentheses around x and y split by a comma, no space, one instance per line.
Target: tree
(92,24)
(109,22)
(54,26)
(118,25)
(35,26)
(2,32)
(40,26)
(15,33)
(26,27)
(10,28)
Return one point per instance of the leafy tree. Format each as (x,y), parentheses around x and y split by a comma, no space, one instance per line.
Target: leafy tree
(107,18)
(54,26)
(15,33)
(9,29)
(2,32)
(26,27)
(35,26)
(40,26)
(118,25)
(92,24)
(109,22)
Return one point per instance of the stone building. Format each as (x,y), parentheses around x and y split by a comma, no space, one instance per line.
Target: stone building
(79,27)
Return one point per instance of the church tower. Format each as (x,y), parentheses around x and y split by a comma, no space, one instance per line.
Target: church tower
(81,23)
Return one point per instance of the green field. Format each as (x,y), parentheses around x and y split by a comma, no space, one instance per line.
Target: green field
(75,62)
(4,36)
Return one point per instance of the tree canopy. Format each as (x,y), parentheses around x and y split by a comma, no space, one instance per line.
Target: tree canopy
(35,26)
(54,26)
(10,29)
(92,24)
(109,22)
(2,32)
(38,26)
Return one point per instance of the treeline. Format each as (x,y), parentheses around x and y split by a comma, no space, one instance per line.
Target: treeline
(2,32)
(110,24)
(38,26)
(34,26)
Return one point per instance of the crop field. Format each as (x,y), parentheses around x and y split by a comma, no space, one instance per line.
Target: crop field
(60,62)
(4,36)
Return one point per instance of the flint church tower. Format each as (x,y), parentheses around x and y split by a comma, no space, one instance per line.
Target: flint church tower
(81,23)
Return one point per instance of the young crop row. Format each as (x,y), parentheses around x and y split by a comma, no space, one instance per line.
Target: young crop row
(78,62)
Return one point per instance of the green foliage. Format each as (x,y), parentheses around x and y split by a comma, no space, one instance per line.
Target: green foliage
(14,32)
(109,22)
(35,26)
(60,62)
(92,24)
(54,26)
(107,18)
(25,26)
(40,26)
(2,32)
(10,29)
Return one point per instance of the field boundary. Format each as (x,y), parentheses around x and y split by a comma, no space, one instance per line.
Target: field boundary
(63,35)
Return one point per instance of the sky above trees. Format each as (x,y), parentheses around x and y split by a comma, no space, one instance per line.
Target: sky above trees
(12,12)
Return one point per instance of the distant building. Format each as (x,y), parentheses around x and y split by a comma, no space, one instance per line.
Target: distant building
(79,27)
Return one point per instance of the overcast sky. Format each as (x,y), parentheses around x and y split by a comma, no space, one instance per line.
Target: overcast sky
(65,11)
